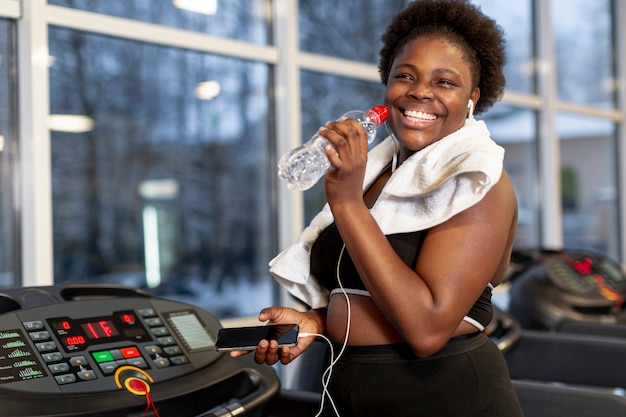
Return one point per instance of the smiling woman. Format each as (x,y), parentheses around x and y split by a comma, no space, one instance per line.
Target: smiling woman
(400,264)
(430,85)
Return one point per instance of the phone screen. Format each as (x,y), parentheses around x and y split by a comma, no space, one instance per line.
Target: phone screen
(247,338)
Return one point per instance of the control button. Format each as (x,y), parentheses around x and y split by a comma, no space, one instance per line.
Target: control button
(179,360)
(38,336)
(138,362)
(87,374)
(153,349)
(161,362)
(116,354)
(33,325)
(102,356)
(78,360)
(52,357)
(65,379)
(159,331)
(154,321)
(147,312)
(121,362)
(56,368)
(45,346)
(108,367)
(172,350)
(166,340)
(130,352)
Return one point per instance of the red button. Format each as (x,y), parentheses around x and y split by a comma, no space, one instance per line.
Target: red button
(138,385)
(130,352)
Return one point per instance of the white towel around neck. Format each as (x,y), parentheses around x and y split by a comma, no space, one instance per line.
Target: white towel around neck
(427,189)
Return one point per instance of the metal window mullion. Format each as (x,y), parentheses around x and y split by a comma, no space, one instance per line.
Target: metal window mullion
(157,34)
(548,141)
(10,9)
(290,207)
(34,146)
(619,10)
(288,118)
(338,66)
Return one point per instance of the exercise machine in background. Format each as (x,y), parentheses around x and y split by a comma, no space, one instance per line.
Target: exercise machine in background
(569,356)
(568,291)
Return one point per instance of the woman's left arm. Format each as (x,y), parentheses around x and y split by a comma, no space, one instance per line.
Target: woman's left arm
(457,260)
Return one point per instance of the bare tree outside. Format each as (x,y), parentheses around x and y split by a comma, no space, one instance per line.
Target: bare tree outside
(207,159)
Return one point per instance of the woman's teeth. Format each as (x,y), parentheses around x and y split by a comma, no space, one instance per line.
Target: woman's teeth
(419,116)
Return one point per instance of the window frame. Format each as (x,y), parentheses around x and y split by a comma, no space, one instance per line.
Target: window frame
(34,17)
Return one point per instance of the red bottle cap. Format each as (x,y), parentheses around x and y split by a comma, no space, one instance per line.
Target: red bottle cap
(382,111)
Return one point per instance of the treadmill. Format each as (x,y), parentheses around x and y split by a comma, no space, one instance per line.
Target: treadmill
(570,306)
(567,291)
(105,351)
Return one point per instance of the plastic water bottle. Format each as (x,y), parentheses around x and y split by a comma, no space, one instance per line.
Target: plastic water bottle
(303,166)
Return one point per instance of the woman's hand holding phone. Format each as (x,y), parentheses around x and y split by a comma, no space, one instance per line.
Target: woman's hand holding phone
(268,351)
(248,338)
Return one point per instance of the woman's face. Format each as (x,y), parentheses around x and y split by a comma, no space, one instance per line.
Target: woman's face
(429,87)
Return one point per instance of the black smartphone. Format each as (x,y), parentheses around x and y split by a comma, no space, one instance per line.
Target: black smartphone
(248,338)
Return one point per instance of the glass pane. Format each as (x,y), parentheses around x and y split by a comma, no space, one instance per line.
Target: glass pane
(164,188)
(588,183)
(330,28)
(235,19)
(360,40)
(514,128)
(8,242)
(584,51)
(327,97)
(516,20)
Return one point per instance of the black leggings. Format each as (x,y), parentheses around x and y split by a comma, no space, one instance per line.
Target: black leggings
(468,377)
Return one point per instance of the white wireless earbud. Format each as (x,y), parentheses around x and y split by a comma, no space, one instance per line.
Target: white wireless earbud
(470,106)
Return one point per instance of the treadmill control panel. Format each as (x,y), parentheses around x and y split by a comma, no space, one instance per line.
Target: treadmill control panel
(594,278)
(80,346)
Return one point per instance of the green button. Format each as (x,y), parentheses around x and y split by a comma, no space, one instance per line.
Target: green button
(102,356)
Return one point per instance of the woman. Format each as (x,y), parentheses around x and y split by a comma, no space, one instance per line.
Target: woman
(400,265)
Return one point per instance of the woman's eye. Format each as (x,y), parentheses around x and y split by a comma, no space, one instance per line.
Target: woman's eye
(447,83)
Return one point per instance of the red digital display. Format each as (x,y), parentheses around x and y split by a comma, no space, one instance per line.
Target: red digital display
(75,340)
(62,325)
(99,329)
(584,267)
(80,334)
(128,318)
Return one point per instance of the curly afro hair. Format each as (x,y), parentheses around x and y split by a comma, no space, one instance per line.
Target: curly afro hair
(479,37)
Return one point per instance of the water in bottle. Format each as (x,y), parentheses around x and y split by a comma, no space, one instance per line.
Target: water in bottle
(303,166)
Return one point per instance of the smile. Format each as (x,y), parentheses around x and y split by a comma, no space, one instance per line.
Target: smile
(419,116)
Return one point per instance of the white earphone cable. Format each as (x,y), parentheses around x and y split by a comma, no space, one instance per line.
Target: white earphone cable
(329,370)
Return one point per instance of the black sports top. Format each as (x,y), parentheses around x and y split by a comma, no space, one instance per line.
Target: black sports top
(325,255)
